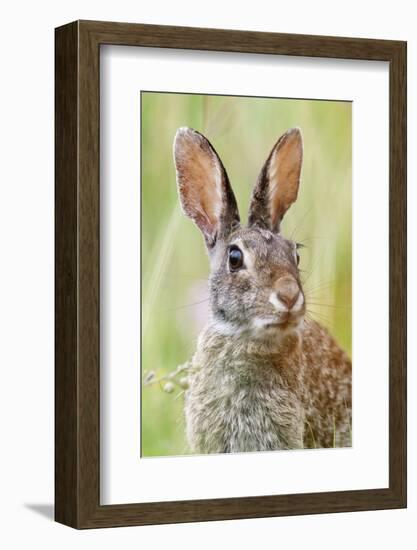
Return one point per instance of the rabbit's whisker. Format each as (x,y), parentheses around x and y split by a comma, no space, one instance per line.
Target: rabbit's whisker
(314,315)
(300,223)
(329,305)
(311,270)
(185,305)
(322,285)
(189,276)
(308,239)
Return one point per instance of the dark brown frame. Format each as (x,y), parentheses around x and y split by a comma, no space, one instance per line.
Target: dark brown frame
(77,360)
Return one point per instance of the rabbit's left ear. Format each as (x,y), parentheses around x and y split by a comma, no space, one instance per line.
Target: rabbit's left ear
(204,188)
(278,182)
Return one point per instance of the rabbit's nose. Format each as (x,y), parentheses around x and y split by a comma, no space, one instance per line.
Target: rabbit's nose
(288,291)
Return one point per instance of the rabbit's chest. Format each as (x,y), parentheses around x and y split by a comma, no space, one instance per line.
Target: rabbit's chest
(237,406)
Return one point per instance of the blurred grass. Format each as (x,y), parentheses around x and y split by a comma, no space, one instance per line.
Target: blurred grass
(174,262)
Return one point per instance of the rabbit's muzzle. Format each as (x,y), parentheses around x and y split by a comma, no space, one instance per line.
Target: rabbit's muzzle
(287,299)
(288,292)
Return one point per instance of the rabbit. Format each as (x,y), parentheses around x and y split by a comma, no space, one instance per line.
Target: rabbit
(263,376)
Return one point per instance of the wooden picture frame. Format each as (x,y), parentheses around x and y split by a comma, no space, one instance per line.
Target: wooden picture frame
(77,359)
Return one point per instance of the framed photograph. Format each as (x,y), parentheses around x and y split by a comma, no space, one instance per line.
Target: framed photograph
(230,274)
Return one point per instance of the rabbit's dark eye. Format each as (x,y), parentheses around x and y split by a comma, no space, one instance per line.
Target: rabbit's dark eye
(235,258)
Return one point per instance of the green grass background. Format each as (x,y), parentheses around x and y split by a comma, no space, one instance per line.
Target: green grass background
(174,261)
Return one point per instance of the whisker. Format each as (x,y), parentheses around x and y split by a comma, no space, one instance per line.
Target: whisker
(313,267)
(324,284)
(184,306)
(329,305)
(309,273)
(318,311)
(319,295)
(189,276)
(300,223)
(308,239)
(314,315)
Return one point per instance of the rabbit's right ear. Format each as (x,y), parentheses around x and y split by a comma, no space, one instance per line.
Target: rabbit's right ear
(203,186)
(277,186)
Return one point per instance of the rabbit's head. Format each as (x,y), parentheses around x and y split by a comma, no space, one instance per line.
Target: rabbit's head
(255,286)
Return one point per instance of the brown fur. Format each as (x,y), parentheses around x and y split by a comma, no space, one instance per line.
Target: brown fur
(247,396)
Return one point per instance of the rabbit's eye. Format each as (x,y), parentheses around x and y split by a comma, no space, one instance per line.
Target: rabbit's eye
(235,258)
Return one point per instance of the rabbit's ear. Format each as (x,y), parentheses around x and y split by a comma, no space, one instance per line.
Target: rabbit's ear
(203,186)
(278,182)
